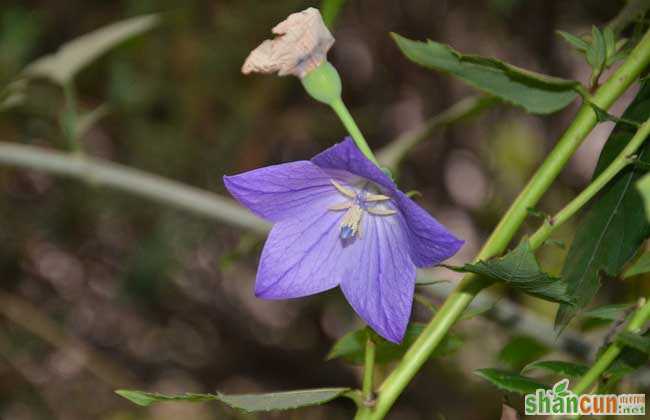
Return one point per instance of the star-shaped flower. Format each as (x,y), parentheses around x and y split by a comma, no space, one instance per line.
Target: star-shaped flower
(339,220)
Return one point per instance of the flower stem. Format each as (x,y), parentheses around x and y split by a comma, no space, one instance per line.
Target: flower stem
(621,161)
(639,318)
(346,118)
(471,284)
(368,369)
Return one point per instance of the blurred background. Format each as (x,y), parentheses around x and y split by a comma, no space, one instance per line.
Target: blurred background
(103,290)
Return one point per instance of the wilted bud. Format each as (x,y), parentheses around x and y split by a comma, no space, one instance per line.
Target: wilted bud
(301,45)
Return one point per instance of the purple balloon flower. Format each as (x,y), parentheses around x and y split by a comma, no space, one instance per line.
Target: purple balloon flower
(341,221)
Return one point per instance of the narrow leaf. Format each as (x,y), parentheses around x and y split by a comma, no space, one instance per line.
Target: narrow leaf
(577,42)
(351,347)
(509,381)
(537,93)
(330,10)
(558,367)
(63,65)
(636,341)
(613,312)
(640,266)
(519,269)
(245,402)
(612,230)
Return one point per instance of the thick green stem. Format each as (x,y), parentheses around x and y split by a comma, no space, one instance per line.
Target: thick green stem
(367,390)
(346,118)
(640,317)
(457,301)
(622,160)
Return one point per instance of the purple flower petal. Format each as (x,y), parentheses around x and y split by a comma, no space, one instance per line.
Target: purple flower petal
(380,278)
(430,243)
(302,256)
(281,191)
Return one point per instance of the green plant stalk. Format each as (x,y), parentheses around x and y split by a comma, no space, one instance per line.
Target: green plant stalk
(471,285)
(622,160)
(639,318)
(346,118)
(367,390)
(70,116)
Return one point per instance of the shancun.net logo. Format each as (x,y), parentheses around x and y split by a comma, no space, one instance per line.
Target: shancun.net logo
(561,400)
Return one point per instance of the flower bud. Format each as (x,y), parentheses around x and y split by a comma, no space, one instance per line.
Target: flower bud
(323,83)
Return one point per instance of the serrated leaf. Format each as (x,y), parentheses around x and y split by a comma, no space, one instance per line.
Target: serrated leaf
(640,266)
(73,56)
(351,347)
(558,367)
(537,93)
(635,341)
(509,381)
(245,402)
(577,42)
(519,269)
(615,225)
(520,351)
(613,312)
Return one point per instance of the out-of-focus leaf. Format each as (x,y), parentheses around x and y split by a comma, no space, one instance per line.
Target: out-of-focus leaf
(612,230)
(246,402)
(643,187)
(559,367)
(351,347)
(577,42)
(640,266)
(537,93)
(87,120)
(519,269)
(520,351)
(330,10)
(509,381)
(73,56)
(636,341)
(613,312)
(473,312)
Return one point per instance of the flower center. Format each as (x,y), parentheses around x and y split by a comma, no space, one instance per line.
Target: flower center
(357,204)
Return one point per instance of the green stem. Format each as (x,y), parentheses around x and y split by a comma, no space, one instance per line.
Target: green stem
(622,160)
(346,118)
(458,300)
(368,369)
(640,317)
(69,117)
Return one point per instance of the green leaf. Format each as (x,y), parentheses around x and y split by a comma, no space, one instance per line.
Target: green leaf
(640,266)
(246,402)
(509,381)
(62,66)
(351,347)
(537,93)
(597,52)
(613,312)
(520,351)
(559,367)
(519,269)
(635,341)
(577,42)
(627,362)
(610,43)
(615,225)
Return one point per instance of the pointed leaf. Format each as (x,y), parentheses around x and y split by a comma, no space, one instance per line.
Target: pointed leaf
(577,42)
(519,269)
(246,402)
(613,312)
(351,347)
(640,266)
(612,230)
(509,381)
(537,93)
(63,65)
(559,367)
